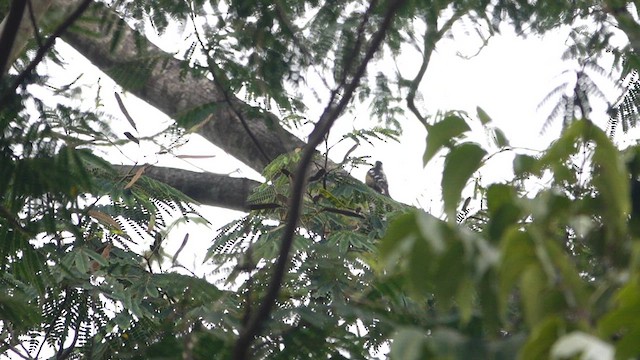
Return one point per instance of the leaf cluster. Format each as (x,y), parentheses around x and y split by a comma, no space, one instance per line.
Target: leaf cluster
(540,274)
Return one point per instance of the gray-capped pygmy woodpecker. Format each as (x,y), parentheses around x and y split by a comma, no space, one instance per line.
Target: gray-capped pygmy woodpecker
(377,180)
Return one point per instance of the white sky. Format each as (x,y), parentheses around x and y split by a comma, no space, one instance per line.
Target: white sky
(507,79)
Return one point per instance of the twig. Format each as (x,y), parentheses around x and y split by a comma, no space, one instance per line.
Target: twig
(227,98)
(32,17)
(430,37)
(359,39)
(65,353)
(327,119)
(59,310)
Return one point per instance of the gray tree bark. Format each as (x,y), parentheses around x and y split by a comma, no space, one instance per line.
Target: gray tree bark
(166,86)
(162,82)
(253,136)
(33,11)
(206,188)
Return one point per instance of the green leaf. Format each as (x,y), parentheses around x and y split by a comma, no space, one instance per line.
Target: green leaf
(542,337)
(459,165)
(17,310)
(82,262)
(464,299)
(611,179)
(483,116)
(499,139)
(506,216)
(533,287)
(95,256)
(517,253)
(433,230)
(408,344)
(421,257)
(499,195)
(524,164)
(399,239)
(441,134)
(450,272)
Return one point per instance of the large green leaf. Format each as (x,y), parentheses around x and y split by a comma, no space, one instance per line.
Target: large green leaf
(408,344)
(459,165)
(542,337)
(442,133)
(611,178)
(517,253)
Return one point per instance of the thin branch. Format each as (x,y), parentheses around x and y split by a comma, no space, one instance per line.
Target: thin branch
(34,24)
(431,36)
(429,39)
(9,32)
(42,51)
(225,94)
(327,119)
(59,310)
(12,343)
(359,39)
(64,353)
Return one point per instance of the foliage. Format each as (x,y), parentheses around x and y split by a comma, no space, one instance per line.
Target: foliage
(539,273)
(543,274)
(68,222)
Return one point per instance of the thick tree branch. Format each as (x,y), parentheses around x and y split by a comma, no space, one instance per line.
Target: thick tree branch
(9,31)
(206,188)
(166,86)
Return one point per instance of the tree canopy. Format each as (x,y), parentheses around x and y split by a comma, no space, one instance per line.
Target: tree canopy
(319,265)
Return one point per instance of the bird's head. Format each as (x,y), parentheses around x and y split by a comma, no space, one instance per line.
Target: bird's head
(378,164)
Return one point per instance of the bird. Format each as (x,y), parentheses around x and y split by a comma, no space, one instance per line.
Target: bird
(377,180)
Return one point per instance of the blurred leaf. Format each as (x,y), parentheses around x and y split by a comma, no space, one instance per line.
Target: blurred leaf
(500,140)
(442,133)
(408,344)
(579,343)
(533,285)
(611,178)
(517,254)
(398,239)
(459,165)
(483,116)
(524,164)
(542,337)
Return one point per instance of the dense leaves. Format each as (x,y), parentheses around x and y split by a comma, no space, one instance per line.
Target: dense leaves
(534,273)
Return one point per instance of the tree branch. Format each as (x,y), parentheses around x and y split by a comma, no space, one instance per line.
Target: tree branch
(166,86)
(9,31)
(206,188)
(327,119)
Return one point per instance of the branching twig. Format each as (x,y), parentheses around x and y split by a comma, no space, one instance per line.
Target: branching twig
(327,119)
(42,51)
(429,40)
(431,36)
(227,98)
(359,39)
